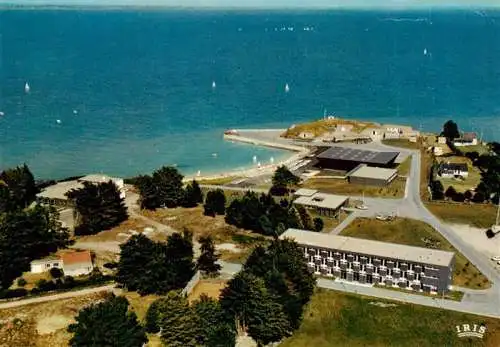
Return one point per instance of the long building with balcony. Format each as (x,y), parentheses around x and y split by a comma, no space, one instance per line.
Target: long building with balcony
(375,262)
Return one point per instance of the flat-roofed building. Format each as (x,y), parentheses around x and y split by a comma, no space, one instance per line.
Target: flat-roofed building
(375,262)
(305,192)
(324,204)
(346,158)
(56,193)
(95,178)
(368,175)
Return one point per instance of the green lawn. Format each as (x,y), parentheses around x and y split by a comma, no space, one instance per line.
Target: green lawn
(417,233)
(339,319)
(477,215)
(481,149)
(470,182)
(396,189)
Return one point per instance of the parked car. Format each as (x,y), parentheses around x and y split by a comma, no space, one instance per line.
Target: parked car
(362,207)
(496,258)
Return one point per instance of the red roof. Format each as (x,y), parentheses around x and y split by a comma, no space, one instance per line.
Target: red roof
(77,257)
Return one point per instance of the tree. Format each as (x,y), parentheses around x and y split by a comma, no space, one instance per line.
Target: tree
(153,267)
(437,190)
(17,188)
(207,261)
(450,130)
(282,267)
(169,185)
(468,195)
(459,197)
(56,273)
(148,192)
(108,323)
(450,192)
(192,195)
(478,197)
(241,298)
(26,235)
(269,325)
(215,203)
(177,322)
(215,330)
(318,224)
(282,180)
(305,218)
(98,207)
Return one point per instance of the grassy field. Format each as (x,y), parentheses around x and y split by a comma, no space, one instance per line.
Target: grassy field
(404,167)
(395,189)
(415,233)
(338,319)
(42,324)
(469,183)
(477,215)
(210,287)
(481,149)
(403,143)
(321,126)
(218,181)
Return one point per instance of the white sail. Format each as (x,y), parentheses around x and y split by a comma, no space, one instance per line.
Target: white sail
(425,51)
(214,85)
(287,88)
(26,87)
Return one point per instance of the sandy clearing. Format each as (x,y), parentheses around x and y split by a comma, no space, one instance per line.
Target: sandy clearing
(476,237)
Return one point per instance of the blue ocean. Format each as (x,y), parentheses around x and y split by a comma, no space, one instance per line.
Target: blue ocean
(124,92)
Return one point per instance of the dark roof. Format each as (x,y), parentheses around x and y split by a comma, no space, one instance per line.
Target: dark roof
(358,155)
(469,136)
(454,166)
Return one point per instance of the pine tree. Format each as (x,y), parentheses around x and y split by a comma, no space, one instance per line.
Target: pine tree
(282,180)
(269,324)
(168,182)
(98,206)
(318,224)
(214,328)
(192,195)
(108,323)
(215,203)
(17,188)
(177,321)
(26,235)
(148,191)
(207,262)
(180,252)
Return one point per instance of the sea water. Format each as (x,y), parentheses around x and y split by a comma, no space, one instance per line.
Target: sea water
(124,92)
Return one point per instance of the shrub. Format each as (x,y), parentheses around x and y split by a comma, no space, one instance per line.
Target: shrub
(56,272)
(21,282)
(14,293)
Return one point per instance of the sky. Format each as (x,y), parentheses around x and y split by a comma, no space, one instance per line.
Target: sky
(268,3)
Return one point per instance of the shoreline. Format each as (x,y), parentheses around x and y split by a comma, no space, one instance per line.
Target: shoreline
(296,154)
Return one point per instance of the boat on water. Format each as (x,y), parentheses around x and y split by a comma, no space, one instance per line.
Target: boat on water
(287,88)
(425,51)
(26,87)
(214,85)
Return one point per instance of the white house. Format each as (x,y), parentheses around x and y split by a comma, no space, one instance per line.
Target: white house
(449,170)
(467,139)
(73,263)
(45,264)
(77,263)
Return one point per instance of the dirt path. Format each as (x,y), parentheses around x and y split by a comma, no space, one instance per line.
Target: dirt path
(59,296)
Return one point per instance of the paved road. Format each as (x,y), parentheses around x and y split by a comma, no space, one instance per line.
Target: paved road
(59,296)
(486,302)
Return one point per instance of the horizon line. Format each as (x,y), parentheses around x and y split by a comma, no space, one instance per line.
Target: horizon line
(396,7)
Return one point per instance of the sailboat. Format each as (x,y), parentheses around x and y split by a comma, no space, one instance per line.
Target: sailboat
(26,87)
(425,51)
(214,85)
(287,88)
